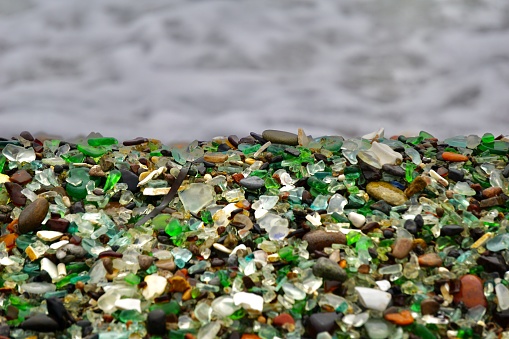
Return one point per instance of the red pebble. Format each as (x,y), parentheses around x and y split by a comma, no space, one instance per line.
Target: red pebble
(454,157)
(471,292)
(283,318)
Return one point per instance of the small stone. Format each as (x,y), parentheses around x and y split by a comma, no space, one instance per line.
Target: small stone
(58,224)
(471,292)
(96,171)
(145,261)
(329,270)
(401,247)
(282,319)
(491,192)
(382,206)
(166,264)
(40,323)
(322,322)
(14,191)
(130,179)
(410,226)
(178,284)
(33,215)
(250,336)
(493,263)
(394,170)
(135,141)
(451,230)
(454,157)
(373,299)
(357,219)
(402,318)
(27,135)
(281,137)
(21,177)
(369,227)
(108,265)
(58,312)
(215,157)
(430,260)
(156,323)
(381,190)
(429,306)
(252,182)
(417,185)
(319,239)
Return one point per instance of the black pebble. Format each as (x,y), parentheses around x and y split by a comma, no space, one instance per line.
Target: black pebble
(40,323)
(411,226)
(234,140)
(77,207)
(505,172)
(223,148)
(455,175)
(43,277)
(292,151)
(451,230)
(258,137)
(322,322)
(388,234)
(382,206)
(419,221)
(27,135)
(395,170)
(156,322)
(86,327)
(131,180)
(493,264)
(57,311)
(453,253)
(370,173)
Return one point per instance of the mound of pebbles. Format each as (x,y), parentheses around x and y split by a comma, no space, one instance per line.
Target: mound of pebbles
(272,235)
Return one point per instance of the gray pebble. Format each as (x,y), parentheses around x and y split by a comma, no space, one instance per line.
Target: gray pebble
(252,183)
(329,270)
(281,137)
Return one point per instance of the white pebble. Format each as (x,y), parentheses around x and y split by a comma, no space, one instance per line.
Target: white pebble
(57,245)
(48,266)
(248,301)
(49,235)
(374,299)
(358,220)
(129,304)
(222,248)
(438,178)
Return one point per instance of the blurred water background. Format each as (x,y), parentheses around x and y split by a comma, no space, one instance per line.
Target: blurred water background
(179,70)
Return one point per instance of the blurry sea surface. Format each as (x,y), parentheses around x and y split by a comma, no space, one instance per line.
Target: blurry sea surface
(179,70)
